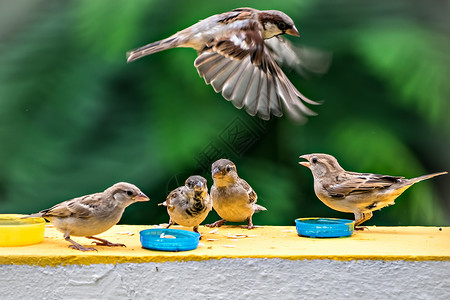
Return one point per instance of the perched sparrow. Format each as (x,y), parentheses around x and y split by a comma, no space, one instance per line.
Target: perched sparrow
(238,55)
(357,193)
(233,198)
(189,205)
(92,214)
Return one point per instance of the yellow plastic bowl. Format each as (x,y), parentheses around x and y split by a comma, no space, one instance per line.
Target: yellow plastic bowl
(15,231)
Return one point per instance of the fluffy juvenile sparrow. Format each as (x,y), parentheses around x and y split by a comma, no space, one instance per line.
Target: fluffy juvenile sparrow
(238,55)
(233,198)
(189,205)
(358,193)
(92,214)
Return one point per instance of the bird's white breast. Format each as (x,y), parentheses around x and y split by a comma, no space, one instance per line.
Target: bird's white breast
(233,207)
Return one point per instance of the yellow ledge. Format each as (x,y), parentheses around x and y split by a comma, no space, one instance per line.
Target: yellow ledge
(375,243)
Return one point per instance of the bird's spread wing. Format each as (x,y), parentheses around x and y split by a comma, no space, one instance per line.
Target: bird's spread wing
(355,183)
(304,60)
(240,65)
(81,207)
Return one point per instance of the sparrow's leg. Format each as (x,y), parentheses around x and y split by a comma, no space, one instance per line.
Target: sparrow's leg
(216,223)
(249,224)
(170,223)
(103,242)
(362,217)
(77,246)
(196,230)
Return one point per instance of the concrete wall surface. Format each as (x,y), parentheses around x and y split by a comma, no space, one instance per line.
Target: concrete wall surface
(248,278)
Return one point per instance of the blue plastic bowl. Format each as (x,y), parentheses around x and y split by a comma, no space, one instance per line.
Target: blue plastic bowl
(183,241)
(324,227)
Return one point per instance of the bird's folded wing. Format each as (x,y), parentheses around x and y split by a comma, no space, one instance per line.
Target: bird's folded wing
(361,183)
(252,197)
(81,207)
(240,65)
(173,195)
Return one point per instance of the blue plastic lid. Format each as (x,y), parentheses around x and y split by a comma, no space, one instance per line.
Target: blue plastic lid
(324,227)
(169,239)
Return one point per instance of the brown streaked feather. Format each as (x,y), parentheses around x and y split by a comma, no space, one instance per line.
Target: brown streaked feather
(252,197)
(251,44)
(173,194)
(241,67)
(237,14)
(356,183)
(79,207)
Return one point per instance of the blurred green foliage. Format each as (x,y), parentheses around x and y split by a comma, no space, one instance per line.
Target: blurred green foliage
(76,118)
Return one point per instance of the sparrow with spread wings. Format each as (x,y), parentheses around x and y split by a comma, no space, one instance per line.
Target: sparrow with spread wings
(238,52)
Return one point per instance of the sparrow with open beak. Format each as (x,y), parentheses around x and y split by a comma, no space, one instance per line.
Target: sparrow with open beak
(233,198)
(190,204)
(92,214)
(357,193)
(238,53)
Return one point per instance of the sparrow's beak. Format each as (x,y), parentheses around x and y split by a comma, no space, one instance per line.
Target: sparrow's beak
(293,31)
(199,185)
(215,171)
(305,163)
(141,198)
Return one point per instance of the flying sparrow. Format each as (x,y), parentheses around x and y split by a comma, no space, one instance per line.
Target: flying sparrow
(189,205)
(357,193)
(92,214)
(233,198)
(238,52)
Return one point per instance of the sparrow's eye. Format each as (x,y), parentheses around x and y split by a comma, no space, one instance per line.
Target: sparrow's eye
(228,168)
(281,25)
(314,160)
(129,193)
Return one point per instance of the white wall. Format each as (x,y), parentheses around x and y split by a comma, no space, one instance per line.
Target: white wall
(231,279)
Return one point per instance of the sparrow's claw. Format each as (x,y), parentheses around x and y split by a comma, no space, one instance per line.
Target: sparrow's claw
(361,228)
(103,242)
(216,223)
(77,246)
(249,224)
(108,244)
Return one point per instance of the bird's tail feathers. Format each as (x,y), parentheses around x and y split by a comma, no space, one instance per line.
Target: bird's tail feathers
(420,178)
(36,215)
(259,208)
(158,46)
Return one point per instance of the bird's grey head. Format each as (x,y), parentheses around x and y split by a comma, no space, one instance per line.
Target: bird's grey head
(321,164)
(224,171)
(197,183)
(275,22)
(126,193)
